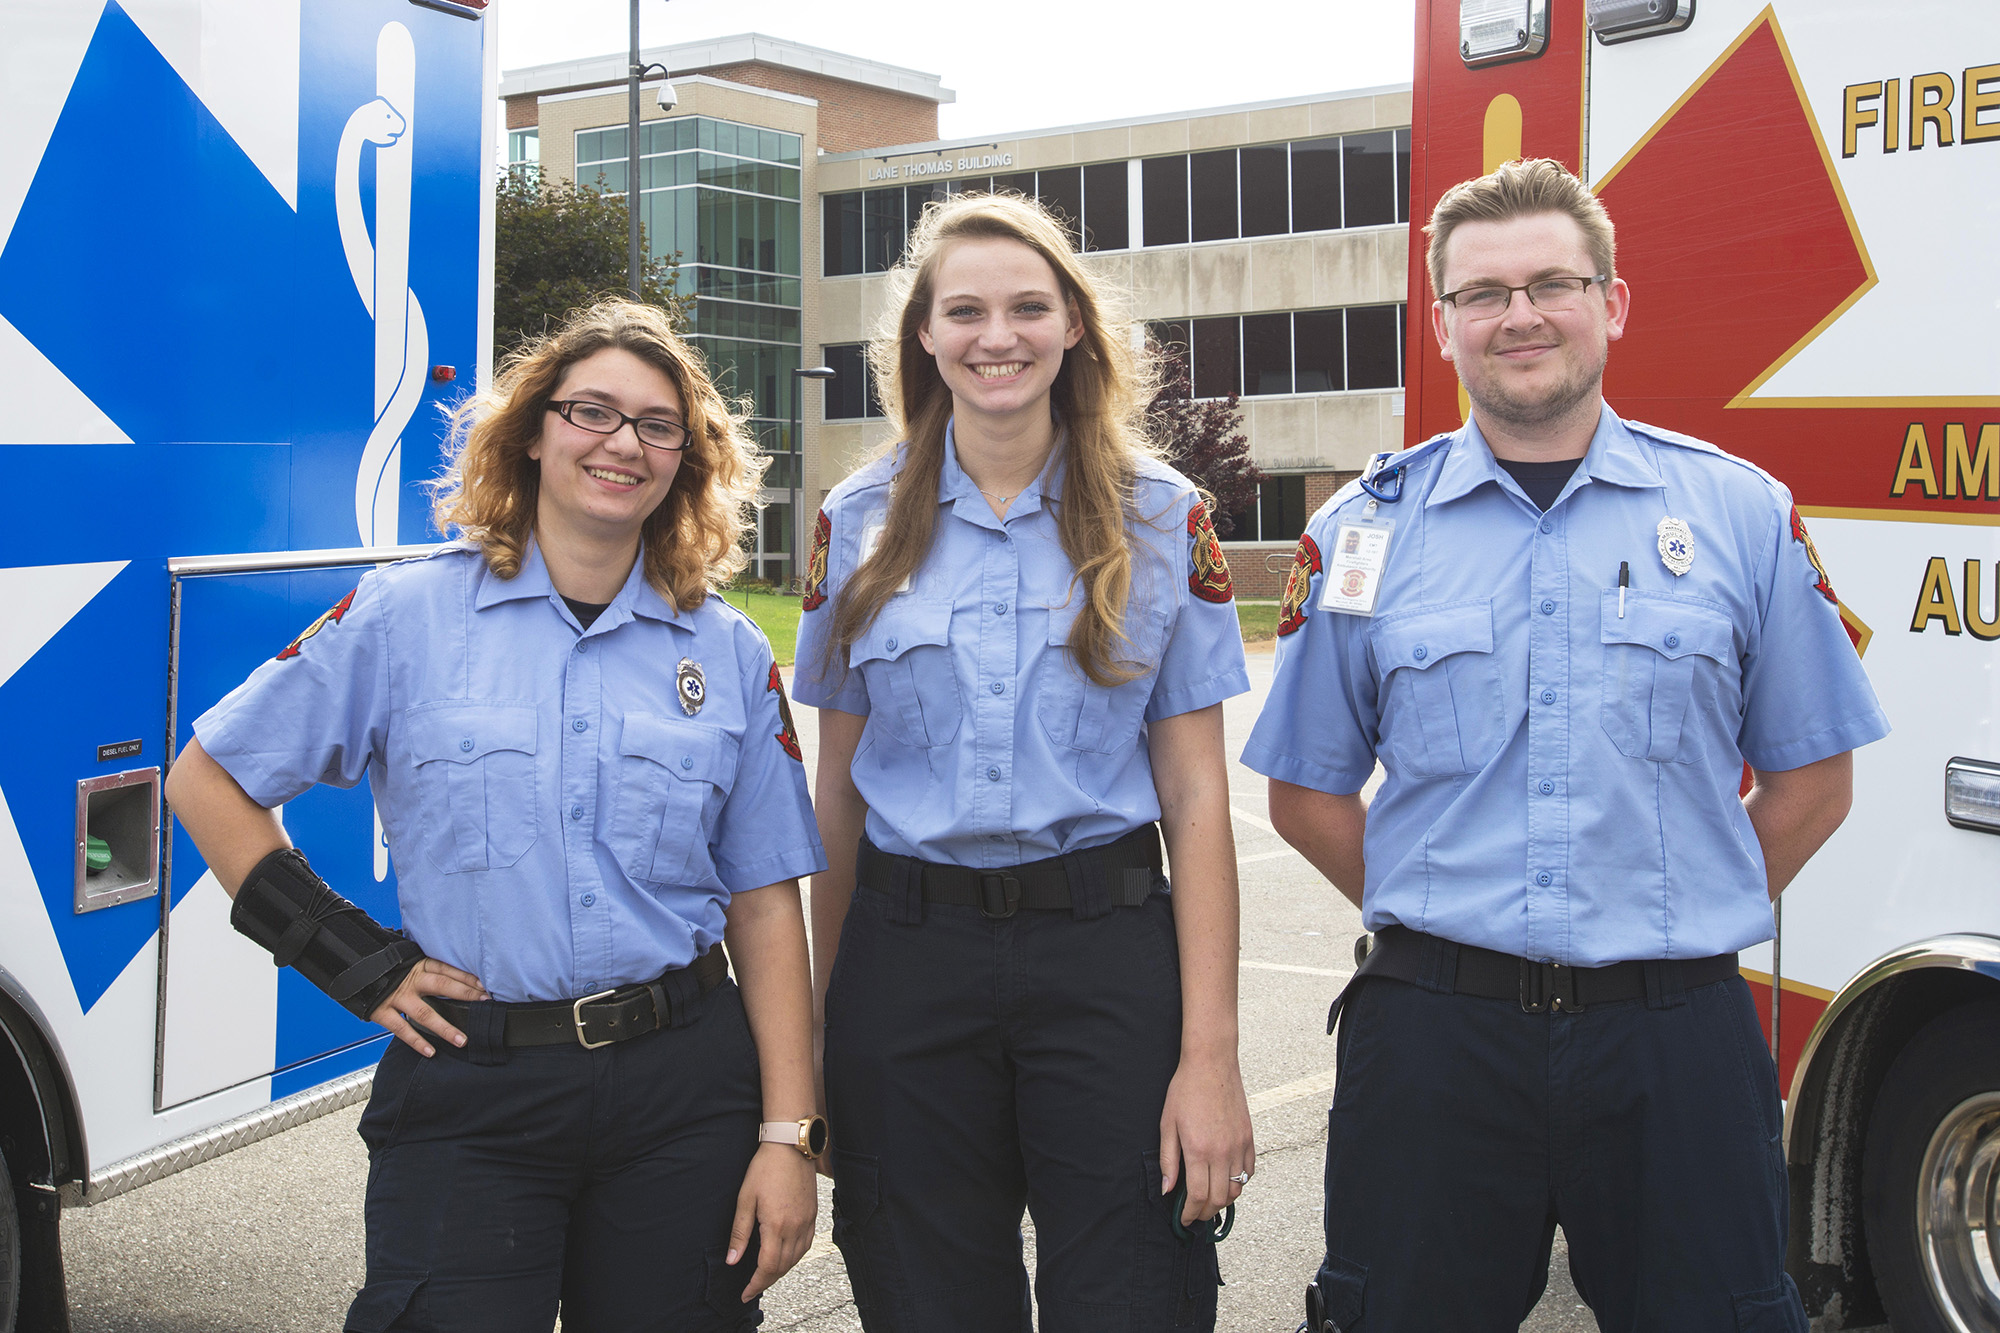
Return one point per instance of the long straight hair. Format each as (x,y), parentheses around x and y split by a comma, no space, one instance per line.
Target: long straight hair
(1099,396)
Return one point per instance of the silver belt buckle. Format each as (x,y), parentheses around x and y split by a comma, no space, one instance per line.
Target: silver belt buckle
(576,1014)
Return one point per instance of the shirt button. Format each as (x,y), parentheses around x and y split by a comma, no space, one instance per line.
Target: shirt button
(580,725)
(1548,696)
(687,761)
(1548,608)
(1421,652)
(576,812)
(999,688)
(466,744)
(1547,788)
(589,900)
(1548,526)
(1673,641)
(999,608)
(890,645)
(1545,879)
(993,774)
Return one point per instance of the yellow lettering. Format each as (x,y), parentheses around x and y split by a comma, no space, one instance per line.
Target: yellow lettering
(1979,98)
(1982,626)
(1934,601)
(1892,115)
(1964,465)
(1916,463)
(1930,105)
(1857,116)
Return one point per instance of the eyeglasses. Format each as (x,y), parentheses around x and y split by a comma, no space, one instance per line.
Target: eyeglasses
(1484,302)
(653,432)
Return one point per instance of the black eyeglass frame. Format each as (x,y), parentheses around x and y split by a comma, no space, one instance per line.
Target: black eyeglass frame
(1526,288)
(566,406)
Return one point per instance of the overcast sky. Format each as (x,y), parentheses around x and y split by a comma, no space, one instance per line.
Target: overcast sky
(1030,64)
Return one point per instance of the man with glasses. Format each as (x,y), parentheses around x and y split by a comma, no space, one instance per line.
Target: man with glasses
(1563,636)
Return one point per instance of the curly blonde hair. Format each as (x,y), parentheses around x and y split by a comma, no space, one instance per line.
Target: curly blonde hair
(1099,395)
(693,540)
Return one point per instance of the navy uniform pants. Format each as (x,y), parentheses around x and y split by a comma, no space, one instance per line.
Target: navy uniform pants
(504,1183)
(1464,1129)
(974,1066)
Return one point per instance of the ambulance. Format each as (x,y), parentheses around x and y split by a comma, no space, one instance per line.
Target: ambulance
(245,259)
(1807,196)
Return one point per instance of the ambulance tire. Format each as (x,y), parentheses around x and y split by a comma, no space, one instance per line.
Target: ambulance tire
(10,1250)
(1934,1131)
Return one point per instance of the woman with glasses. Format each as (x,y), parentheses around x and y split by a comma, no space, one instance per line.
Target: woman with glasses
(588,778)
(1019,631)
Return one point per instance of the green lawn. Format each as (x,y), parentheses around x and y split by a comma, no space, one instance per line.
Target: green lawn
(778,617)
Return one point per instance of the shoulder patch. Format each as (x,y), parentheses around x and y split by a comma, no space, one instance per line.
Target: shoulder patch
(1799,534)
(1298,585)
(788,735)
(1209,579)
(333,616)
(815,589)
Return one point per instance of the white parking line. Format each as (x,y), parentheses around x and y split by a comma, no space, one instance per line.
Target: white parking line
(1267,856)
(1342,973)
(1313,1085)
(1254,821)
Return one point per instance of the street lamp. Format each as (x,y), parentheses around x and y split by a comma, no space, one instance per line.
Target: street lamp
(637,73)
(796,490)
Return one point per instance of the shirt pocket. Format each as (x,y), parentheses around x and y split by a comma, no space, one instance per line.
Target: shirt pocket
(475,777)
(1441,710)
(673,776)
(1662,658)
(905,658)
(1081,715)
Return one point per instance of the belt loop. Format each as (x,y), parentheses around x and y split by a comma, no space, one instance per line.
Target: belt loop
(485,1029)
(1440,964)
(682,993)
(1089,886)
(1666,988)
(664,1011)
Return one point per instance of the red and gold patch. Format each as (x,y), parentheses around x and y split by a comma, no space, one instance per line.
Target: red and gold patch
(788,735)
(1210,578)
(1799,534)
(332,617)
(1298,585)
(815,590)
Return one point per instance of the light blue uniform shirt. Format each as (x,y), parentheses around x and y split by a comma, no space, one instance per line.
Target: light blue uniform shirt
(1562,781)
(559,824)
(985,745)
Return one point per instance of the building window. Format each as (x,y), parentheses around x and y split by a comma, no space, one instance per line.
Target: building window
(1278,515)
(850,394)
(1298,351)
(524,151)
(866,230)
(1163,200)
(1355,180)
(1212,196)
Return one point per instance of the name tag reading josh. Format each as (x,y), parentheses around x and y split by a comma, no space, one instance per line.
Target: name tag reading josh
(871,537)
(1354,566)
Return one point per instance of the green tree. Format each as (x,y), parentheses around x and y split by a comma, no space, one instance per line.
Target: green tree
(1203,437)
(559,246)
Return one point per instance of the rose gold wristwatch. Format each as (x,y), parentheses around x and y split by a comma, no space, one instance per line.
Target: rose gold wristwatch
(807,1135)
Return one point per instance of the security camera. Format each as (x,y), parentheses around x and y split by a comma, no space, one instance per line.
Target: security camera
(667,98)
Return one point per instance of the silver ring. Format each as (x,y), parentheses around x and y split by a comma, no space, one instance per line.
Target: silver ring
(1241,1177)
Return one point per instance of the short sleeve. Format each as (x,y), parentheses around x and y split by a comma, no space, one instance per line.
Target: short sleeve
(1202,663)
(316,712)
(1321,721)
(766,832)
(1806,696)
(820,681)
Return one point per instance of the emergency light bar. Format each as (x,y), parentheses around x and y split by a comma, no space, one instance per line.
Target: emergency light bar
(1490,31)
(1972,794)
(1628,20)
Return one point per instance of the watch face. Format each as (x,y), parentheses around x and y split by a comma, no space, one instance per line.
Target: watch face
(812,1135)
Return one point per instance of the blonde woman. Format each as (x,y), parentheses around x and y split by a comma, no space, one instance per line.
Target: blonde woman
(1019,633)
(588,779)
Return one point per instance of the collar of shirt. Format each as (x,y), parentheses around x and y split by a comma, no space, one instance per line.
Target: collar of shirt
(637,597)
(957,490)
(1614,456)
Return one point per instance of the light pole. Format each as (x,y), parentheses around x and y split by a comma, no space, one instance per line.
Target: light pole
(796,491)
(637,73)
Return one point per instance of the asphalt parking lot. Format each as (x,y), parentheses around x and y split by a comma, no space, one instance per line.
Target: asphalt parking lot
(269,1237)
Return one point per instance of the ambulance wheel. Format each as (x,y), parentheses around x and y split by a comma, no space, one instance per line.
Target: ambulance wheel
(10,1250)
(1931,1177)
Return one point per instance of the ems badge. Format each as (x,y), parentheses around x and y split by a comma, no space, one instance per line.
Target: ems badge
(1298,585)
(691,685)
(1800,535)
(331,617)
(815,589)
(1676,546)
(1210,577)
(788,735)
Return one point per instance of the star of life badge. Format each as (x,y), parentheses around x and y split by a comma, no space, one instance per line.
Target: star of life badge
(1354,564)
(1676,546)
(690,685)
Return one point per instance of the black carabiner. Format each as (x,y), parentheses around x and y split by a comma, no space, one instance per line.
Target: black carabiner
(1213,1230)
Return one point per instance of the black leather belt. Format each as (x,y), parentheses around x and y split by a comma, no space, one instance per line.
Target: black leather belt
(1126,868)
(1465,969)
(597,1020)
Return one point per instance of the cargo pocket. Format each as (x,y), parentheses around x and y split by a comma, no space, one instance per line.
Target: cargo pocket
(857,1199)
(905,658)
(379,1305)
(1441,705)
(1176,1279)
(724,1284)
(389,1099)
(1085,716)
(1778,1310)
(1662,659)
(475,770)
(672,777)
(1341,1287)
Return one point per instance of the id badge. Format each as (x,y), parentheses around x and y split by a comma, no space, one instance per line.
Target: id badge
(871,537)
(1354,566)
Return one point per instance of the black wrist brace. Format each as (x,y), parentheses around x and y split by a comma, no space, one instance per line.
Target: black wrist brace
(339,948)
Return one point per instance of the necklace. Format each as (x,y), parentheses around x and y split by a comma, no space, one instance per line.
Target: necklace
(996,499)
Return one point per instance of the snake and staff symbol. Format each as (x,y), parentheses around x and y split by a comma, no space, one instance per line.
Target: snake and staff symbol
(381,272)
